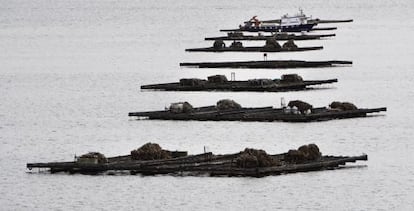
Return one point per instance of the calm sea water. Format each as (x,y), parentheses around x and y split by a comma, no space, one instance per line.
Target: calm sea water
(71,70)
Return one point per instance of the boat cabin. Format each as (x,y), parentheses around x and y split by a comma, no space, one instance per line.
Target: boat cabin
(298,19)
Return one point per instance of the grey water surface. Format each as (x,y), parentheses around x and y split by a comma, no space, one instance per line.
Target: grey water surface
(70,72)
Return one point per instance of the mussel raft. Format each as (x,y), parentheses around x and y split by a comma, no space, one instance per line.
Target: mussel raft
(273,64)
(229,110)
(271,46)
(252,49)
(257,29)
(278,36)
(288,82)
(151,159)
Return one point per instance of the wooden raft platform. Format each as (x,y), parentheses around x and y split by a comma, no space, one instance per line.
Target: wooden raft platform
(254,85)
(333,21)
(252,49)
(277,37)
(277,64)
(260,114)
(201,164)
(324,28)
